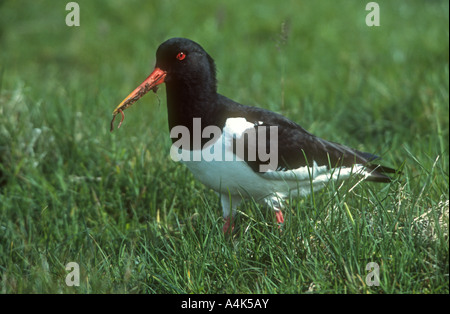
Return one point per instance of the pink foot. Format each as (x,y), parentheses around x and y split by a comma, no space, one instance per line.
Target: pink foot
(226,226)
(279,216)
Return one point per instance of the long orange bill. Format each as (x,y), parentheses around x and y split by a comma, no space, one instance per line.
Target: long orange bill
(150,83)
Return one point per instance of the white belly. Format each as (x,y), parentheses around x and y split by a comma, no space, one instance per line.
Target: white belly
(237,178)
(234,177)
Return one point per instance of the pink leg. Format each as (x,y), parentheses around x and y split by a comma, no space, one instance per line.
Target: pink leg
(226,226)
(279,216)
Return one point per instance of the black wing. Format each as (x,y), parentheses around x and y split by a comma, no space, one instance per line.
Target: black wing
(296,147)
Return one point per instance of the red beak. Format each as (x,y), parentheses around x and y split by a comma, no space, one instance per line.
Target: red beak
(150,83)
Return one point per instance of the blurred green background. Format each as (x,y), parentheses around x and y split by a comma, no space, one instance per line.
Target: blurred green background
(71,190)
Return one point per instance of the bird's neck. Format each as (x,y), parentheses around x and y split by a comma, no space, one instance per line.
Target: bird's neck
(188,101)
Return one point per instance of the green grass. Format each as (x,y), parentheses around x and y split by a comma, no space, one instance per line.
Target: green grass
(137,222)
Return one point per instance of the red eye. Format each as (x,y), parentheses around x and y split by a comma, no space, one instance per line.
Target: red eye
(181,56)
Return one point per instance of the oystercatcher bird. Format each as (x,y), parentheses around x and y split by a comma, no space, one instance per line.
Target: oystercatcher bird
(242,151)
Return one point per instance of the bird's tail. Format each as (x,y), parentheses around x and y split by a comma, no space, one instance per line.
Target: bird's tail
(380,173)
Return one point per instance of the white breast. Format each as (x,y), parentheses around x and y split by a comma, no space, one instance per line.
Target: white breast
(220,169)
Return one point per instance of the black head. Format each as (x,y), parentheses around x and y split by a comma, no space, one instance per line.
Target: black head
(188,71)
(186,61)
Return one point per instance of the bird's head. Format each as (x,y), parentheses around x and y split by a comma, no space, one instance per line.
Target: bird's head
(181,63)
